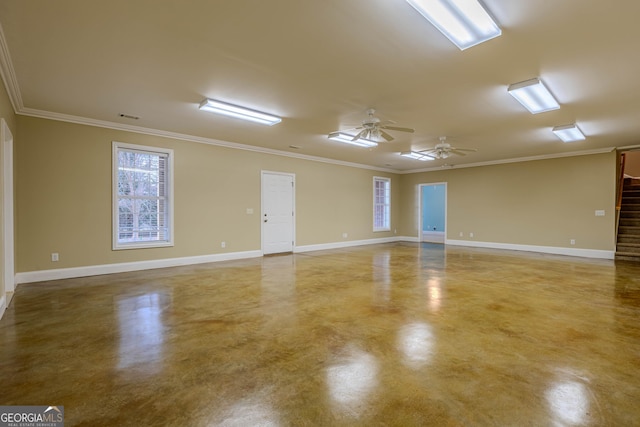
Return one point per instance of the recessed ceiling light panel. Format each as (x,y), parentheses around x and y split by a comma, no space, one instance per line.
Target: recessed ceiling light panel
(236,111)
(534,96)
(348,139)
(569,133)
(416,155)
(465,22)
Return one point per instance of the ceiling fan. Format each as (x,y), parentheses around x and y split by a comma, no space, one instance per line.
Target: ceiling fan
(443,150)
(372,129)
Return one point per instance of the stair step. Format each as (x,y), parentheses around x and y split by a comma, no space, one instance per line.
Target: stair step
(630,213)
(628,230)
(629,222)
(625,241)
(628,248)
(621,256)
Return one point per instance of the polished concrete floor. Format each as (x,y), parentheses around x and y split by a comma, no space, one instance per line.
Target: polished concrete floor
(393,335)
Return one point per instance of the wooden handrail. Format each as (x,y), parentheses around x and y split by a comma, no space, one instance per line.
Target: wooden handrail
(620,191)
(620,181)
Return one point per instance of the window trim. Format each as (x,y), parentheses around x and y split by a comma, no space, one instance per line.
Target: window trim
(388,206)
(116,147)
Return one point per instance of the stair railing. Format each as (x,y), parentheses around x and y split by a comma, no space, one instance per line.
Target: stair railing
(620,191)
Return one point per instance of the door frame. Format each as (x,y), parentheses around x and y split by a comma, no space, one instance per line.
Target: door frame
(421,203)
(6,138)
(262,204)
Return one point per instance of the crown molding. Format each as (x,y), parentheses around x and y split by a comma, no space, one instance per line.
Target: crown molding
(10,80)
(9,75)
(513,160)
(191,138)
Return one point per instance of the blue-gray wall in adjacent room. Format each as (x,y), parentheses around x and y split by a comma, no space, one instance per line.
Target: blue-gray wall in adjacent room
(433,207)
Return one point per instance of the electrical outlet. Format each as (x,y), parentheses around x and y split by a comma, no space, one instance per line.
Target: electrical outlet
(471,234)
(249,211)
(572,241)
(344,235)
(223,244)
(55,257)
(461,234)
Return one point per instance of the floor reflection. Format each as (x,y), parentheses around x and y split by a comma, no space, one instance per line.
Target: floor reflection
(141,332)
(381,270)
(434,293)
(252,411)
(352,379)
(569,402)
(416,342)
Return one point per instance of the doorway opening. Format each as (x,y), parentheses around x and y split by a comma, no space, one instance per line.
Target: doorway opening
(8,278)
(433,212)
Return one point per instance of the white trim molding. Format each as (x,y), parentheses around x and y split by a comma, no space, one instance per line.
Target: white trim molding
(555,250)
(348,244)
(95,270)
(8,74)
(3,305)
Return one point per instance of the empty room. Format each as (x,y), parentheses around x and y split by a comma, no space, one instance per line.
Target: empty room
(340,213)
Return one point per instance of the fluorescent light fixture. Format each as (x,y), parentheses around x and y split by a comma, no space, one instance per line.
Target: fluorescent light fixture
(231,110)
(416,155)
(534,95)
(346,138)
(465,22)
(568,133)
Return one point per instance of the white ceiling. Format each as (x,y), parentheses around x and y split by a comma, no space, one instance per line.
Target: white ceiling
(320,65)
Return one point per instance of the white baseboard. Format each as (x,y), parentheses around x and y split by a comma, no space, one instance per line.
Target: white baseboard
(3,305)
(95,270)
(348,244)
(585,253)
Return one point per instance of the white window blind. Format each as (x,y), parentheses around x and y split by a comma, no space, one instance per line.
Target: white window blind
(381,204)
(142,196)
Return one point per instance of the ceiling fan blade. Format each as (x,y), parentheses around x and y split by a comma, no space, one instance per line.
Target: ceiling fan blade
(398,129)
(428,151)
(359,135)
(386,136)
(471,150)
(458,152)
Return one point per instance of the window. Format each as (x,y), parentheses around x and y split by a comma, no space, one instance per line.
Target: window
(381,204)
(142,196)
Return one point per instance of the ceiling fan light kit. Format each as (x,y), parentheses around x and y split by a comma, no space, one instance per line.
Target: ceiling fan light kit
(442,150)
(465,22)
(236,111)
(371,131)
(569,133)
(534,96)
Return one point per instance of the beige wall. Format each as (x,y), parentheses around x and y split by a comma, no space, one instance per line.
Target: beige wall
(632,163)
(64,197)
(540,203)
(6,113)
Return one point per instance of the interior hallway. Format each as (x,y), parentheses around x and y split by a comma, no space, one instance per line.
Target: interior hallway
(397,334)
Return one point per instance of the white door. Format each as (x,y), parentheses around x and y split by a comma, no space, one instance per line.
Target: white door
(278,212)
